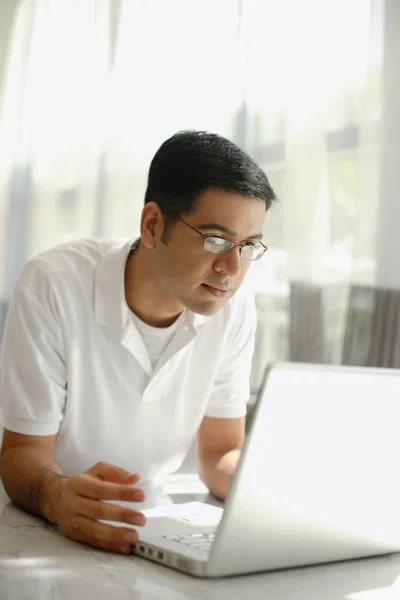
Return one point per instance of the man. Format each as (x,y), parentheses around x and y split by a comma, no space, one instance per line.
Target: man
(119,355)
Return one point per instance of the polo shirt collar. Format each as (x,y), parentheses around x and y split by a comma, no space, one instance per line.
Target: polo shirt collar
(195,320)
(110,307)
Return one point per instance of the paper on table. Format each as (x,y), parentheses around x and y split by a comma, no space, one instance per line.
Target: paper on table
(198,513)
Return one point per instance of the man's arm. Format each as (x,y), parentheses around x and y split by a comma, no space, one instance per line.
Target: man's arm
(35,482)
(33,396)
(219,442)
(222,432)
(30,475)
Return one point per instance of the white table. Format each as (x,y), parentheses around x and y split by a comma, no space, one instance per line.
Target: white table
(37,563)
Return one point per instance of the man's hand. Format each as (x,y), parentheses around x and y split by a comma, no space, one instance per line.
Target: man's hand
(82,507)
(36,483)
(219,443)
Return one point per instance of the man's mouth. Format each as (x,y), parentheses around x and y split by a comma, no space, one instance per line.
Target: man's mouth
(218,291)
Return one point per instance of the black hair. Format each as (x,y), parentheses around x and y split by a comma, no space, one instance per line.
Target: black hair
(191,162)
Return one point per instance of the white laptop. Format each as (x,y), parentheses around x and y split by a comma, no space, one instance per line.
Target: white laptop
(318,480)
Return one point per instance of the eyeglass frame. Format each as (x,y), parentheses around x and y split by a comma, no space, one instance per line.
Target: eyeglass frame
(205,237)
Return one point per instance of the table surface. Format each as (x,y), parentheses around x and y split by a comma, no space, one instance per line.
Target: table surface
(37,562)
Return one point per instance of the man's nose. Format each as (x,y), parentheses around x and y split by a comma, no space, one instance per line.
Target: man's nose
(230,263)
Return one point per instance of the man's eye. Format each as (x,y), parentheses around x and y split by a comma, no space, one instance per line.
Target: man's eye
(217,240)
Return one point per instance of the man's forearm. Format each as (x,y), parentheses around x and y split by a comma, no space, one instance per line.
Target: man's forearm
(33,481)
(217,475)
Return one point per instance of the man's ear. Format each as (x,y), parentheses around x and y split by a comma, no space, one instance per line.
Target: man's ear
(151,225)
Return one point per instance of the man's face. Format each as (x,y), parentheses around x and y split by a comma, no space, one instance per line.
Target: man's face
(197,279)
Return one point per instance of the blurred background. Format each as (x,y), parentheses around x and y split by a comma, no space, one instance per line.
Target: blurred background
(90,89)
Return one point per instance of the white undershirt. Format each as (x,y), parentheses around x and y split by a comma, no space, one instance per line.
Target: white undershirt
(156,339)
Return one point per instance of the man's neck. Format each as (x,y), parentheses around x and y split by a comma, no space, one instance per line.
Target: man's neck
(144,296)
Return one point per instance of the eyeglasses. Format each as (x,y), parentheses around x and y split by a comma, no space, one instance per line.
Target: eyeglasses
(216,245)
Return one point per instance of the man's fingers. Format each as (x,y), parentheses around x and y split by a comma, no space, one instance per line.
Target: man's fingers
(104,511)
(85,517)
(86,485)
(114,474)
(92,529)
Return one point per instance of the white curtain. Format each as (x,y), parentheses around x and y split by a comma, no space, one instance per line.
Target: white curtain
(91,89)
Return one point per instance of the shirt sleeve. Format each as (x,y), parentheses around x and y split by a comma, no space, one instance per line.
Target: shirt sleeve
(232,385)
(32,368)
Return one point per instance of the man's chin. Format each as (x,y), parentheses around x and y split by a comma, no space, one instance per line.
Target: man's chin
(207,309)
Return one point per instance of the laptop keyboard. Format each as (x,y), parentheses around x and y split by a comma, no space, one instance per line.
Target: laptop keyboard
(200,541)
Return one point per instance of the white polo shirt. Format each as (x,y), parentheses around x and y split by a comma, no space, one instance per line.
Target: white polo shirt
(73,363)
